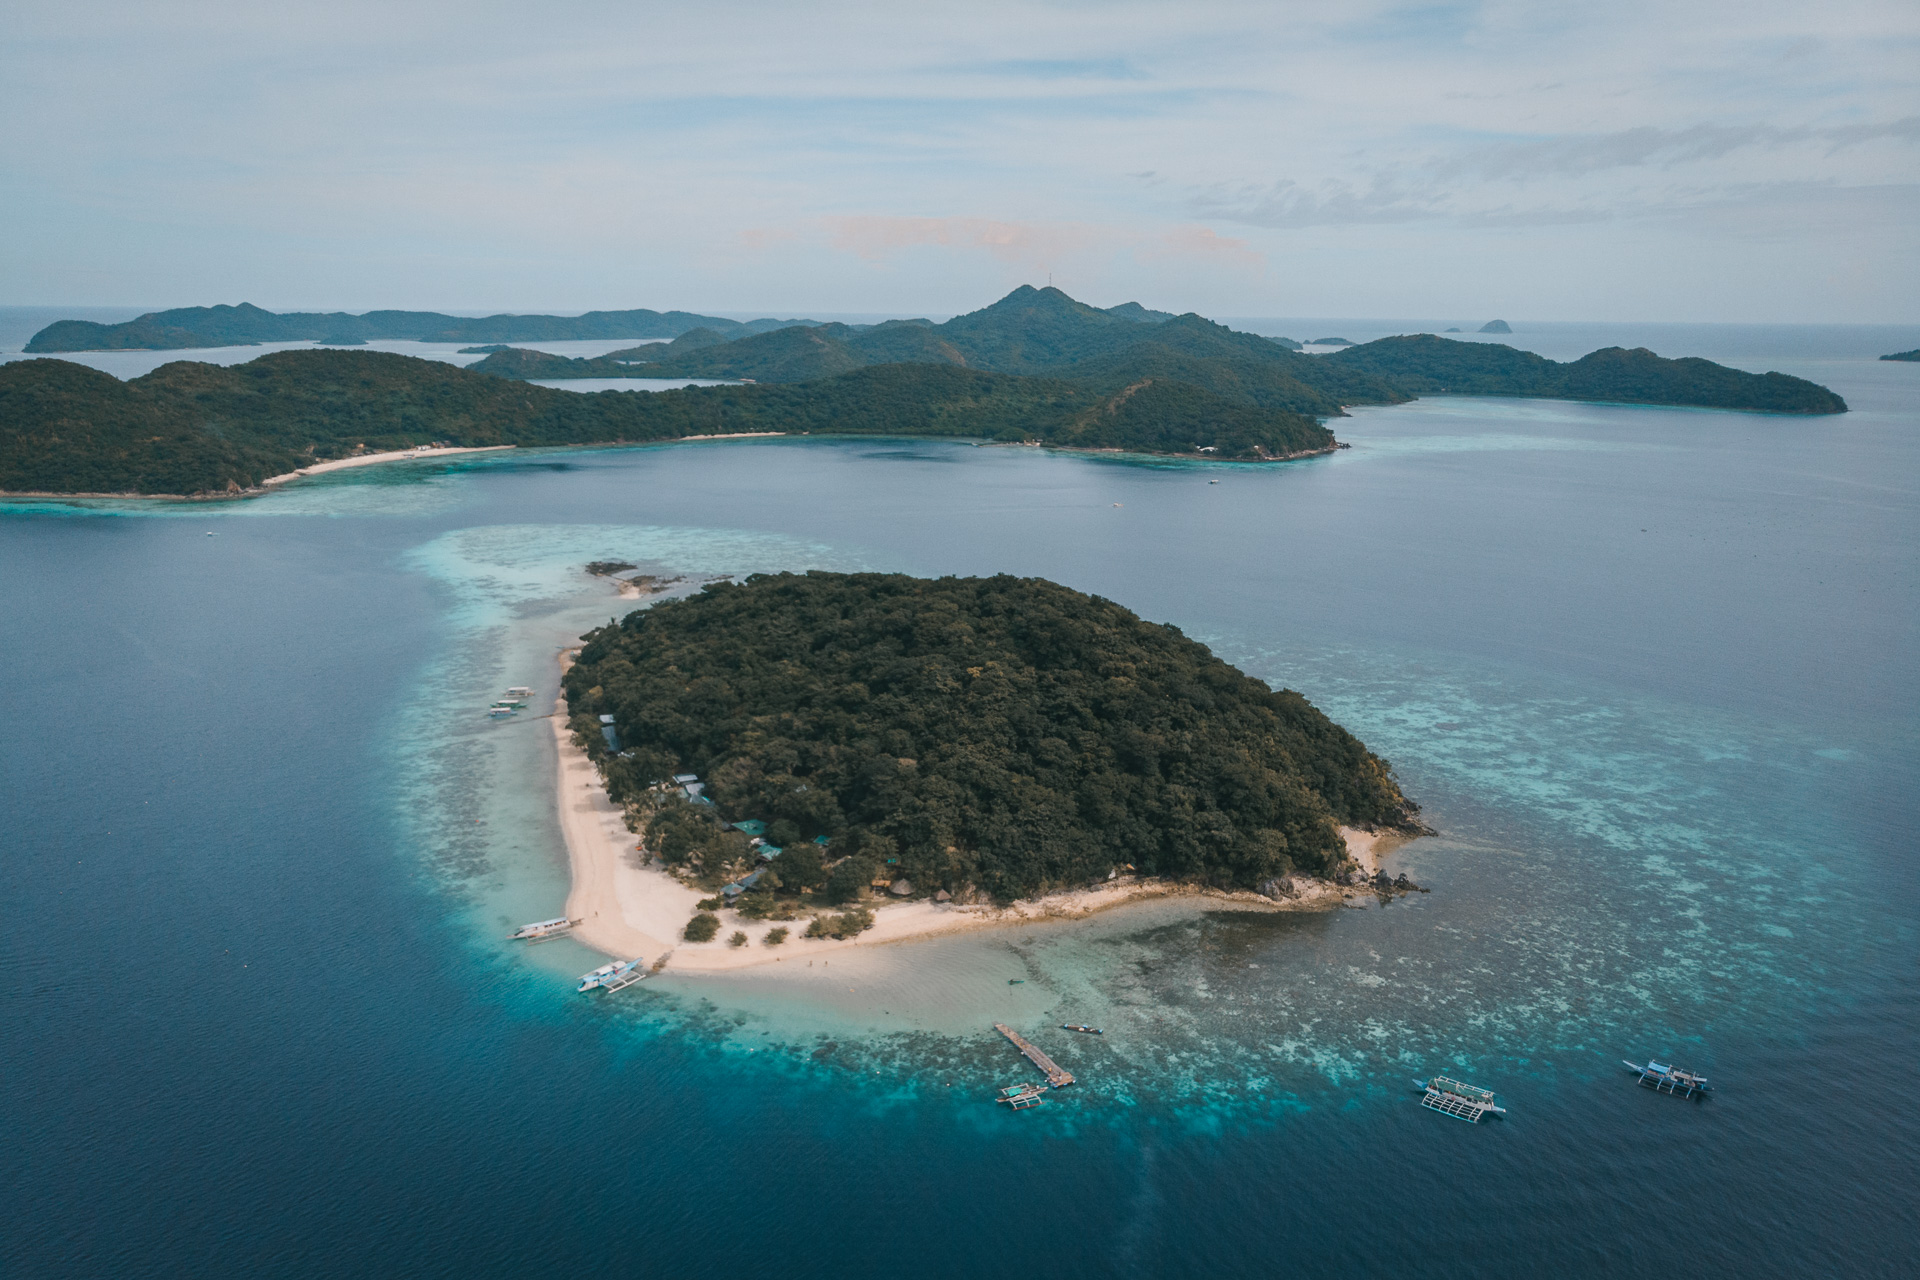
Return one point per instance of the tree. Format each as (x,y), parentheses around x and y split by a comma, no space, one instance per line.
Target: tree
(739,939)
(776,936)
(703,927)
(849,880)
(803,866)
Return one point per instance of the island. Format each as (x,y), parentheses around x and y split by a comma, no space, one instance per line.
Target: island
(789,744)
(1036,367)
(1425,364)
(1913,355)
(1496,326)
(185,328)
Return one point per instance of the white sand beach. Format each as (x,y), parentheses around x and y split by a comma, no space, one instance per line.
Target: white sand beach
(629,906)
(370,459)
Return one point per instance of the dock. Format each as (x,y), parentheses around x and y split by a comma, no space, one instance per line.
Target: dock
(1057,1076)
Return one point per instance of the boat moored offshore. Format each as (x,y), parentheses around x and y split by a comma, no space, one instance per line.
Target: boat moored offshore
(1662,1078)
(542,929)
(1461,1101)
(612,977)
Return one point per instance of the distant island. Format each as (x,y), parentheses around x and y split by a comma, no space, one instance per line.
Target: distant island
(1495,326)
(1425,364)
(1904,355)
(1453,330)
(187,328)
(1330,342)
(958,737)
(1036,367)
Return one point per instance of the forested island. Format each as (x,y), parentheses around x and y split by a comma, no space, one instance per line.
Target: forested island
(1913,355)
(1036,367)
(186,328)
(1005,735)
(1424,364)
(189,428)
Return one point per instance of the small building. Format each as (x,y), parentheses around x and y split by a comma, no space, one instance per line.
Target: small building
(611,734)
(684,778)
(768,852)
(751,827)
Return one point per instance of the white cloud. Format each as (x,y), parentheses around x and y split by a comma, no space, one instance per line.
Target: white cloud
(862,156)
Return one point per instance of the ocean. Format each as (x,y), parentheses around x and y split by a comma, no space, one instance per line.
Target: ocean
(1651,673)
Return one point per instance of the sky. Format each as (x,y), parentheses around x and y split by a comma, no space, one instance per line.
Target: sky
(1631,161)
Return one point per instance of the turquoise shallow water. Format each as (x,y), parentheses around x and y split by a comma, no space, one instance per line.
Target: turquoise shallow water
(1649,671)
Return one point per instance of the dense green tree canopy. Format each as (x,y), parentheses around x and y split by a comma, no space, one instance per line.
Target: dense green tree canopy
(190,427)
(1003,732)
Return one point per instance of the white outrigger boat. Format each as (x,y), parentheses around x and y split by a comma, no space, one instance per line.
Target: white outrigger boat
(1461,1101)
(520,691)
(612,977)
(542,929)
(1662,1078)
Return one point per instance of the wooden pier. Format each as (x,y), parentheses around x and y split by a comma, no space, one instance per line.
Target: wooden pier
(1057,1076)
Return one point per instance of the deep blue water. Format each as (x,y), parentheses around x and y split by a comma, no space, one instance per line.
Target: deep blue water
(1651,672)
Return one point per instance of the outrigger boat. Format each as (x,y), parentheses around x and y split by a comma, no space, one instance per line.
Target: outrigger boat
(520,691)
(1662,1078)
(1461,1101)
(1082,1027)
(500,713)
(542,929)
(1022,1096)
(612,977)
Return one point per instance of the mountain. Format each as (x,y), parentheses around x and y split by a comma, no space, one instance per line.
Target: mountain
(1030,331)
(193,428)
(244,325)
(1006,734)
(1425,364)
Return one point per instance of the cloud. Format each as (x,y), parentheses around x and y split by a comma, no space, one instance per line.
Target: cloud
(1203,244)
(875,237)
(1578,155)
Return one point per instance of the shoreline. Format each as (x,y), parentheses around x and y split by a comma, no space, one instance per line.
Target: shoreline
(371,459)
(403,455)
(630,907)
(334,464)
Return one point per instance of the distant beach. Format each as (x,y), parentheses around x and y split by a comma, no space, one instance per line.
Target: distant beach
(369,459)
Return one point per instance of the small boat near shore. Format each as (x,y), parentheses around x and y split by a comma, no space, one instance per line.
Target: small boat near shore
(1082,1027)
(1461,1101)
(612,977)
(542,929)
(1022,1096)
(1662,1078)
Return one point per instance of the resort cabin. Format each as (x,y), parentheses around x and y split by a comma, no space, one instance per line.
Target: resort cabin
(768,852)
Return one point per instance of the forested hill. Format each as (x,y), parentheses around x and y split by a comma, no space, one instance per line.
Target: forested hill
(185,328)
(1030,331)
(1043,331)
(1004,733)
(194,428)
(1426,365)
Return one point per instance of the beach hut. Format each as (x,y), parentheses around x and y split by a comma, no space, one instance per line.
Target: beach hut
(611,734)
